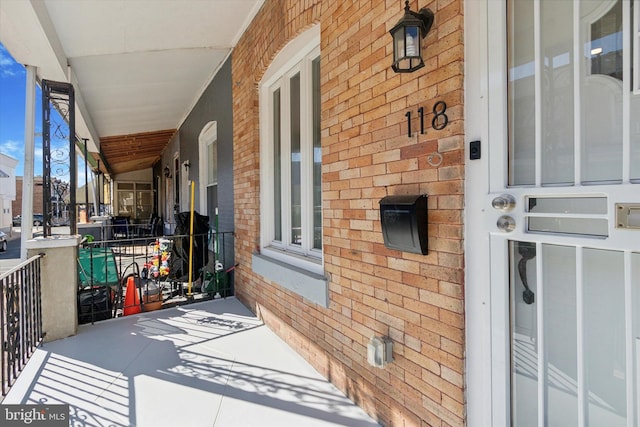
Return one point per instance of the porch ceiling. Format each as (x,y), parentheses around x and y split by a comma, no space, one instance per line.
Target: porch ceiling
(137,67)
(126,153)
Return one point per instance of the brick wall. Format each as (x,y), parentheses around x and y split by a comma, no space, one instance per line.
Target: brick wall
(416,300)
(16,205)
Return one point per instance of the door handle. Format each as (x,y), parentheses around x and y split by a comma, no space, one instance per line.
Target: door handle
(506,223)
(504,203)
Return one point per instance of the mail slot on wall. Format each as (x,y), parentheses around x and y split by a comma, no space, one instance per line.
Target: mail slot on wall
(404,222)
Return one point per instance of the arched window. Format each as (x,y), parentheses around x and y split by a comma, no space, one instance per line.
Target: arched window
(291,154)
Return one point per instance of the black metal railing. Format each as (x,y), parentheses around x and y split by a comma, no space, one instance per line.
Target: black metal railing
(159,269)
(20,317)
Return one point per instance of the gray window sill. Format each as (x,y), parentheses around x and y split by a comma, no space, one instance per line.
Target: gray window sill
(311,286)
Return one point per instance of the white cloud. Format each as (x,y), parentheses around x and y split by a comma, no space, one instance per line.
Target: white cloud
(8,67)
(5,61)
(9,72)
(12,148)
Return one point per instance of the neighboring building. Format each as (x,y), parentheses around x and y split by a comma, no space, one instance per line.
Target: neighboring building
(37,196)
(7,189)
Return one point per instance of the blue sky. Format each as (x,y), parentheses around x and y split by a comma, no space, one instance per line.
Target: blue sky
(12,99)
(12,104)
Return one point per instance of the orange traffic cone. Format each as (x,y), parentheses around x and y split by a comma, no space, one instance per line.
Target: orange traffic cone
(131,300)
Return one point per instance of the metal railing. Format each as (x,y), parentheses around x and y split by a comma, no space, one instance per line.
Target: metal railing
(158,266)
(20,318)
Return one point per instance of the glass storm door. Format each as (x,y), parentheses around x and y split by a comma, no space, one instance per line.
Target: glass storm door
(564,220)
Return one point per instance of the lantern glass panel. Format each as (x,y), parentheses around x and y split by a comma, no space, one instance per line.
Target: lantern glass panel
(412,41)
(398,43)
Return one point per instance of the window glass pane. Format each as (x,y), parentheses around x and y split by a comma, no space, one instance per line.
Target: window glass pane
(600,300)
(581,226)
(601,97)
(212,163)
(212,199)
(524,335)
(635,97)
(562,223)
(604,340)
(635,315)
(317,157)
(296,177)
(125,202)
(277,168)
(557,109)
(568,205)
(294,159)
(521,96)
(605,46)
(144,204)
(560,334)
(600,80)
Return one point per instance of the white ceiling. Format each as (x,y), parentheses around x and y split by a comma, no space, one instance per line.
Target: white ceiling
(136,65)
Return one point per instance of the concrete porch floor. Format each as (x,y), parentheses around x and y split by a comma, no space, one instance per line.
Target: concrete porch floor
(206,364)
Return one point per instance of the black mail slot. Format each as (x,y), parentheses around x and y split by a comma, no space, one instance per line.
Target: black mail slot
(404,222)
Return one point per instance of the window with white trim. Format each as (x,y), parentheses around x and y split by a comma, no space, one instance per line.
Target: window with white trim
(134,199)
(208,170)
(291,155)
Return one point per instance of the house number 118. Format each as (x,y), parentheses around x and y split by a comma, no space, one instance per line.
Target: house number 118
(440,119)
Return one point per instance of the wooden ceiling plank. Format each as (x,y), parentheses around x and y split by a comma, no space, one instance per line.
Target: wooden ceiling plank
(126,153)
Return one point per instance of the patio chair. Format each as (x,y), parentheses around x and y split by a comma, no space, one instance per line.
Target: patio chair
(99,284)
(150,228)
(120,227)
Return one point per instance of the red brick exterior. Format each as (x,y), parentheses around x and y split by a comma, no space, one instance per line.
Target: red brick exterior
(416,300)
(16,205)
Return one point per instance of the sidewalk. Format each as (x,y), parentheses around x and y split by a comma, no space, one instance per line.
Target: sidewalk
(206,364)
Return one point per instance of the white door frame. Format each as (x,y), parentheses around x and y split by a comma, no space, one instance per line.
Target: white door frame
(479,360)
(488,363)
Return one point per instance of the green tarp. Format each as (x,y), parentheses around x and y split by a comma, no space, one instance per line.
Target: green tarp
(97,267)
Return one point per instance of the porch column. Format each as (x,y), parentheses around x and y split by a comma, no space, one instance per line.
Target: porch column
(59,284)
(26,227)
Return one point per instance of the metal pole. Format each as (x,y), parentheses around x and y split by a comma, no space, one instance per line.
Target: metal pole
(73,166)
(193,189)
(29,150)
(99,188)
(86,182)
(46,158)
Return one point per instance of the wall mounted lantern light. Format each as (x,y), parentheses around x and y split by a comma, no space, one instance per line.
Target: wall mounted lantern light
(407,39)
(167,172)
